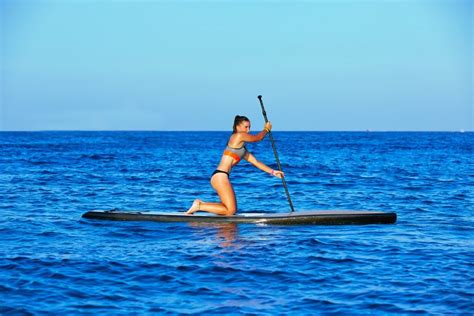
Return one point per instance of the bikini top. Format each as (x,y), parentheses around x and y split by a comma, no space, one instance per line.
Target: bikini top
(236,153)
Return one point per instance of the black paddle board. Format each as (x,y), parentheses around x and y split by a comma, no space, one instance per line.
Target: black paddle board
(320,217)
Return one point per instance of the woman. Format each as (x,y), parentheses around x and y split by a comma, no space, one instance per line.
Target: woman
(233,153)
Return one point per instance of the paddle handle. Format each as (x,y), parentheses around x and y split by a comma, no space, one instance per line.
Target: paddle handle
(276,155)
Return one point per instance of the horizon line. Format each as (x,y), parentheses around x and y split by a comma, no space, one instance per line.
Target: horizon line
(219,131)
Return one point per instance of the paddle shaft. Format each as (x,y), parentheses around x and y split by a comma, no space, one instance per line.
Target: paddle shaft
(276,155)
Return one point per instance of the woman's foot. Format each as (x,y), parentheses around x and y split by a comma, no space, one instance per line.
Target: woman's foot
(195,207)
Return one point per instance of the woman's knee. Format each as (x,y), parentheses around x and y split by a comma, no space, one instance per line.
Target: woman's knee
(231,210)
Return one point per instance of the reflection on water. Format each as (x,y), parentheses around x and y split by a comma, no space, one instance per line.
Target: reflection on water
(226,232)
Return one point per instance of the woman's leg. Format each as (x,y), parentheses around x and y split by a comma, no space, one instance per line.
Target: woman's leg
(220,182)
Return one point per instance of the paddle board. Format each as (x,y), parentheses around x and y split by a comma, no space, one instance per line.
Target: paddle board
(320,217)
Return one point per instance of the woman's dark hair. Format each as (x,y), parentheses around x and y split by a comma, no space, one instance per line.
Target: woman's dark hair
(239,119)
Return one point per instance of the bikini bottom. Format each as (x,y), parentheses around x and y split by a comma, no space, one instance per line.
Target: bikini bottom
(220,171)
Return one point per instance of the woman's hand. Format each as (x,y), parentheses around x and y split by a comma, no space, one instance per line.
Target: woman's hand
(268,126)
(278,174)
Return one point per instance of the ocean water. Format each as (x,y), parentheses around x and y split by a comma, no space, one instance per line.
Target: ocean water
(53,261)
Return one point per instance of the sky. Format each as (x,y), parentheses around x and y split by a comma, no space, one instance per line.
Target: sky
(336,65)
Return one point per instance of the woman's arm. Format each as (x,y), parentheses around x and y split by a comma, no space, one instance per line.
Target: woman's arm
(260,165)
(249,138)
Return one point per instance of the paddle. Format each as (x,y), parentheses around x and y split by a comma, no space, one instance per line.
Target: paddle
(276,154)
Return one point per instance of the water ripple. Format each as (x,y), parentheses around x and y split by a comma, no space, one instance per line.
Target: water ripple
(52,261)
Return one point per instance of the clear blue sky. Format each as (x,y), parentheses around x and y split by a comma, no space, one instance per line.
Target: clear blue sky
(193,65)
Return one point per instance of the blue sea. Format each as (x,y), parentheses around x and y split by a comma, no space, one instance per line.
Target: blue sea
(53,261)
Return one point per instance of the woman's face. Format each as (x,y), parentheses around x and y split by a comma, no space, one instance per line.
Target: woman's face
(244,127)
